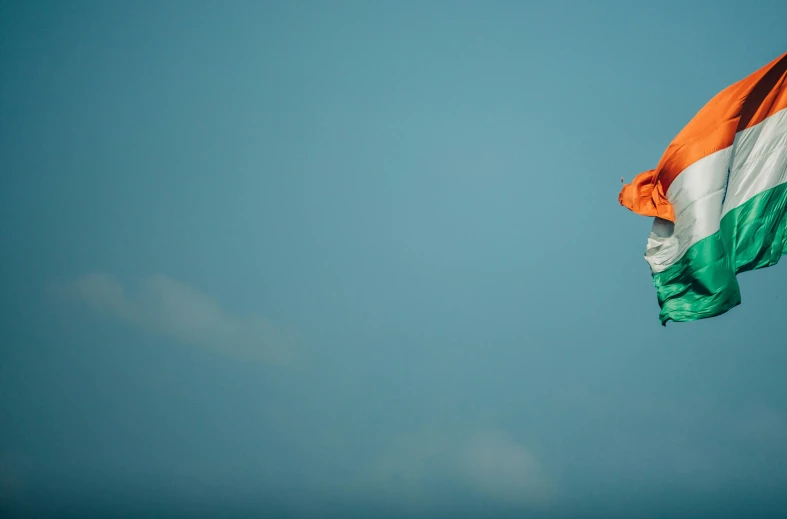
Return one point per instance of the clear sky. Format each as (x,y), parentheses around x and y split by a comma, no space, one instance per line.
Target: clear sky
(366,259)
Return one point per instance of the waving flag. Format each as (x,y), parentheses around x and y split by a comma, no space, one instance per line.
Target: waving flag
(719,197)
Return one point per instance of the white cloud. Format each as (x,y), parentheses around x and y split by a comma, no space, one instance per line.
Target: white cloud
(504,469)
(175,309)
(14,466)
(488,463)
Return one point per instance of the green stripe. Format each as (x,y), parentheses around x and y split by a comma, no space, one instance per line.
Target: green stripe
(703,284)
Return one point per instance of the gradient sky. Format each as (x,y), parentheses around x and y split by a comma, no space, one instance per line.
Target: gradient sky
(350,259)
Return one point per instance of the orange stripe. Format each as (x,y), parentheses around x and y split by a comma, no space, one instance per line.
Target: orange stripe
(739,106)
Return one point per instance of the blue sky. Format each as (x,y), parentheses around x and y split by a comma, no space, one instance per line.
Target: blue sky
(350,258)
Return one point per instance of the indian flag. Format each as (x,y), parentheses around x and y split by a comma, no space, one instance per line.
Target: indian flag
(719,197)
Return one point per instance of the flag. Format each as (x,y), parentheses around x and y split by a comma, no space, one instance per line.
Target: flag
(718,197)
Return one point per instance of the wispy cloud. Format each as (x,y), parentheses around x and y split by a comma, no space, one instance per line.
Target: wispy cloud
(13,466)
(488,463)
(177,310)
(503,469)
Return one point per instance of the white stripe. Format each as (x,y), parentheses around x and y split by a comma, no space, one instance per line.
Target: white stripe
(696,196)
(757,161)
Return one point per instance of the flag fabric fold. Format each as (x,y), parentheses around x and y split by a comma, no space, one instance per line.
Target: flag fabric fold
(718,197)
